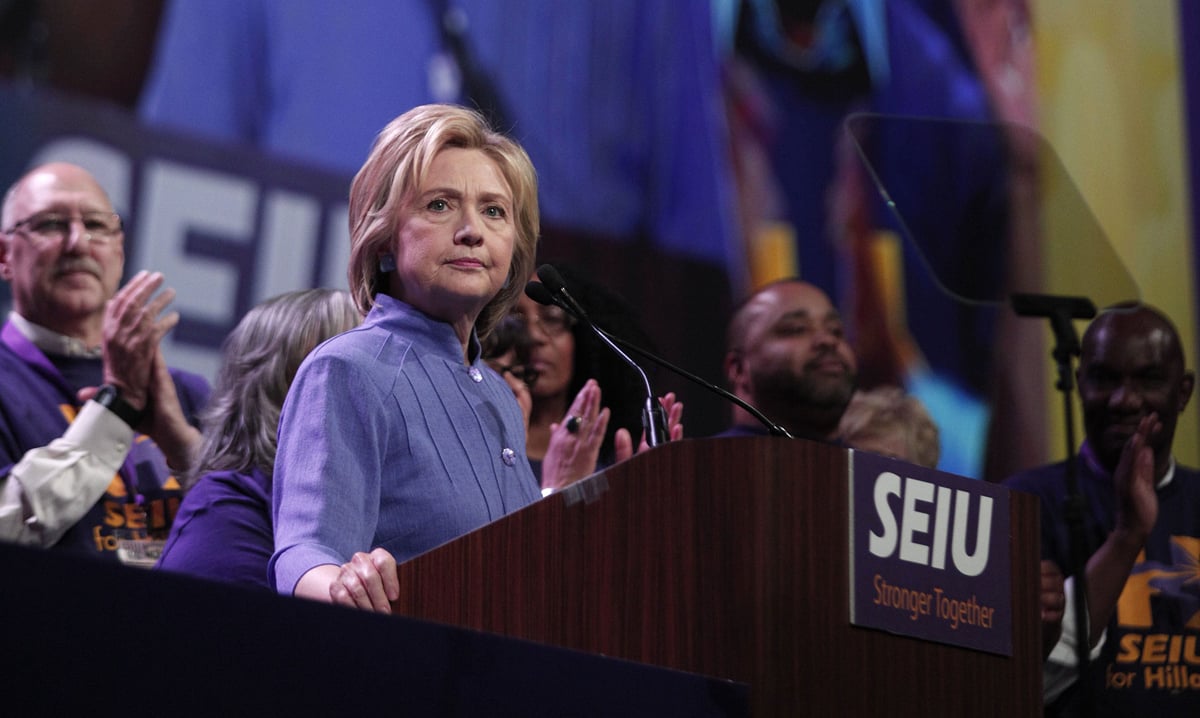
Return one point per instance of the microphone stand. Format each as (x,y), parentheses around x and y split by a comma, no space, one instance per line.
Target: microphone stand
(1061,311)
(654,420)
(773,428)
(540,294)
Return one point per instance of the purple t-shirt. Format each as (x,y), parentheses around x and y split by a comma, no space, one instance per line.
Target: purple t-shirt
(1150,662)
(37,404)
(223,530)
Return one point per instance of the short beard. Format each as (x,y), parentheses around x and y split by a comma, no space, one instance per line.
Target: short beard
(802,401)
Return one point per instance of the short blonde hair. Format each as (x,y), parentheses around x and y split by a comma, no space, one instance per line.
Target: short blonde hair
(399,161)
(889,410)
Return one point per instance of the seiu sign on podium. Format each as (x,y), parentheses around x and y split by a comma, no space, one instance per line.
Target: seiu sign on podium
(929,554)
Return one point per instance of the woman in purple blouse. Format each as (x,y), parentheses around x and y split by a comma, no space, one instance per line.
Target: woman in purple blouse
(396,436)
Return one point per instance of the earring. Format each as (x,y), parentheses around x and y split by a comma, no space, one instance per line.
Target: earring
(387,262)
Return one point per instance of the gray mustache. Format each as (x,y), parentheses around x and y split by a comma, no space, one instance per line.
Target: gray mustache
(79,264)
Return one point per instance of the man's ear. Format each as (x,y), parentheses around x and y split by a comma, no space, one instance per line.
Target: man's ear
(1187,383)
(735,364)
(5,265)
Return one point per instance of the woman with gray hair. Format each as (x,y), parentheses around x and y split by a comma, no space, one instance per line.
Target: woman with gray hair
(396,436)
(223,528)
(889,421)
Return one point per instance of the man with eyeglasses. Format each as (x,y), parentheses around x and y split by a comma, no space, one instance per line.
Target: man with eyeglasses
(93,425)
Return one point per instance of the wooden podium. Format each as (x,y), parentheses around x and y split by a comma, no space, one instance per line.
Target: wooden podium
(729,558)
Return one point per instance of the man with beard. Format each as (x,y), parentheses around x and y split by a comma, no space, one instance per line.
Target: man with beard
(788,357)
(1141,528)
(93,425)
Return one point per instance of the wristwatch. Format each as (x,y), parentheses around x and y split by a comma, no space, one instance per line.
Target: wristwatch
(109,397)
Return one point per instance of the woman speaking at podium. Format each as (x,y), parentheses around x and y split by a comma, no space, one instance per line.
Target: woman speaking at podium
(396,437)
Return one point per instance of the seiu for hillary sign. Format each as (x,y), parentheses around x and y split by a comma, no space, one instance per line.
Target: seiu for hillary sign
(929,555)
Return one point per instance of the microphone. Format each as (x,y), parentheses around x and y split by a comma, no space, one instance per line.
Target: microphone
(1050,305)
(540,294)
(654,422)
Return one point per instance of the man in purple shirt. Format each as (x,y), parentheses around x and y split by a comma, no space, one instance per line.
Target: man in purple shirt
(1139,524)
(93,424)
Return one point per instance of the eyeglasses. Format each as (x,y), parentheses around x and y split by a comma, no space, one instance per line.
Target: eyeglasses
(54,226)
(551,321)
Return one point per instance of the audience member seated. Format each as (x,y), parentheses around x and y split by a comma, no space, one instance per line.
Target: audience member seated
(94,428)
(1141,526)
(506,351)
(890,422)
(567,360)
(788,357)
(223,529)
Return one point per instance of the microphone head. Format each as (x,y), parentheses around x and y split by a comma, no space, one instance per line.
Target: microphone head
(539,293)
(551,278)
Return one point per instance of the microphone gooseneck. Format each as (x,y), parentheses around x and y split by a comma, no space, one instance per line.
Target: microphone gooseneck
(653,420)
(538,293)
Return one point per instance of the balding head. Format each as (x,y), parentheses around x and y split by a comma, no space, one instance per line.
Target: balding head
(52,173)
(1132,364)
(788,356)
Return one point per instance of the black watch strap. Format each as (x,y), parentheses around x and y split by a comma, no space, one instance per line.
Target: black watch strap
(110,398)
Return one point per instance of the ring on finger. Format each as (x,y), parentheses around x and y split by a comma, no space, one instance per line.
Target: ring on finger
(573,424)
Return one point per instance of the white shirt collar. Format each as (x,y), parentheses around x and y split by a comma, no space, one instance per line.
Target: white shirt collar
(1166,479)
(1089,455)
(50,341)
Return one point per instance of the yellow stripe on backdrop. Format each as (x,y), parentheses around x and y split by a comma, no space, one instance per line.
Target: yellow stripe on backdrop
(1110,92)
(773,254)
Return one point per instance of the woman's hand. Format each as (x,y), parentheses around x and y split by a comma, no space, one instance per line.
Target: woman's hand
(520,390)
(623,441)
(575,441)
(367,581)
